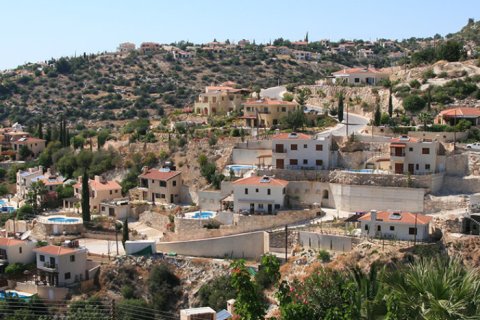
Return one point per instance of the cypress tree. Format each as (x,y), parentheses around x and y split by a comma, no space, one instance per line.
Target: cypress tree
(390,104)
(48,134)
(60,133)
(125,236)
(40,129)
(340,107)
(377,116)
(85,198)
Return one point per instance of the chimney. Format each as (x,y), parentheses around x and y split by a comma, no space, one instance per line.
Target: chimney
(373,215)
(80,179)
(98,179)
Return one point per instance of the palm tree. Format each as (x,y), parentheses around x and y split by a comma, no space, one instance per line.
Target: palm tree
(369,293)
(425,118)
(436,288)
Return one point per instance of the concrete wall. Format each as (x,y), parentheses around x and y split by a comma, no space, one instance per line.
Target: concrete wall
(132,247)
(309,192)
(325,241)
(439,136)
(247,245)
(363,198)
(250,157)
(43,292)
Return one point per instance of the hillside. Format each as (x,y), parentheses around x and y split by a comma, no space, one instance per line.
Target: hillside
(113,86)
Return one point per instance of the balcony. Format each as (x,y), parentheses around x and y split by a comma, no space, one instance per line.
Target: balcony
(47,266)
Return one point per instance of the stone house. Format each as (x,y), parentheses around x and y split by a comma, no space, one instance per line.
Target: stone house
(219,100)
(161,185)
(100,190)
(267,112)
(16,251)
(35,145)
(359,76)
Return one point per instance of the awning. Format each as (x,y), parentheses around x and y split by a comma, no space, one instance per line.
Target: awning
(398,145)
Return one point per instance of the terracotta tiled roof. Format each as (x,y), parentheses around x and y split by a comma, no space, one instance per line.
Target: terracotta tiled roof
(97,185)
(272,102)
(298,136)
(55,250)
(357,70)
(257,181)
(156,174)
(10,242)
(406,217)
(460,112)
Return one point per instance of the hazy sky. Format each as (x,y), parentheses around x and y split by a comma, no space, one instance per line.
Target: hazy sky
(37,30)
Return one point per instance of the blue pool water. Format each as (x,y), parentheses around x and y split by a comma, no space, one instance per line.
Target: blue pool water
(63,220)
(203,214)
(13,294)
(7,209)
(239,167)
(2,202)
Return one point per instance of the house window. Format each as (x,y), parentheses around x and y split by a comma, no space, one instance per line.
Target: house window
(305,161)
(410,149)
(67,275)
(379,228)
(283,191)
(246,190)
(260,206)
(417,167)
(72,258)
(319,147)
(427,166)
(157,195)
(366,227)
(277,206)
(319,162)
(20,250)
(116,191)
(162,196)
(392,228)
(293,162)
(412,231)
(293,147)
(357,80)
(256,190)
(304,146)
(111,192)
(425,150)
(174,183)
(269,192)
(163,183)
(284,109)
(42,258)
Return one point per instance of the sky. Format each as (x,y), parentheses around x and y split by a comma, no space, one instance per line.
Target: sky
(37,30)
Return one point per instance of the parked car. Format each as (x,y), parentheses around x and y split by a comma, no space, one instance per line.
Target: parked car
(474,146)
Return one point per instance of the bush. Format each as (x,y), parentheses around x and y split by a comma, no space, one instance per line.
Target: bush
(268,271)
(15,269)
(324,256)
(415,84)
(414,103)
(216,293)
(128,292)
(164,288)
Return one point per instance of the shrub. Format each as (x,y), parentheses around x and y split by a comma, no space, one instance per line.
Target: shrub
(164,287)
(216,293)
(413,103)
(324,256)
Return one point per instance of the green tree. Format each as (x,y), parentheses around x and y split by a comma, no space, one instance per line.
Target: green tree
(125,235)
(390,104)
(36,196)
(3,189)
(216,293)
(248,304)
(268,271)
(426,118)
(92,308)
(450,51)
(340,107)
(24,152)
(78,142)
(163,287)
(377,117)
(413,103)
(85,198)
(102,138)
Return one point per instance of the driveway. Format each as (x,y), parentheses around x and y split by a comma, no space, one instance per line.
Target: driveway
(356,123)
(104,247)
(273,92)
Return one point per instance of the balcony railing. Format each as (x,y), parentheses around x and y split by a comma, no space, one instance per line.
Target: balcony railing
(48,265)
(397,154)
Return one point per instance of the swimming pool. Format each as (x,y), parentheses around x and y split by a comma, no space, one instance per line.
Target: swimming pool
(64,220)
(8,209)
(240,167)
(2,202)
(14,294)
(200,214)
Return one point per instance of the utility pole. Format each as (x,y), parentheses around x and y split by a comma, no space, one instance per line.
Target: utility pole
(415,230)
(116,236)
(455,130)
(286,243)
(347,119)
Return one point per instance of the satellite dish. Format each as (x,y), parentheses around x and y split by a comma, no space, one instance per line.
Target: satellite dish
(25,235)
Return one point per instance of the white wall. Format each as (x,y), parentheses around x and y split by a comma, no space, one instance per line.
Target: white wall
(306,150)
(400,232)
(25,256)
(242,201)
(325,241)
(76,268)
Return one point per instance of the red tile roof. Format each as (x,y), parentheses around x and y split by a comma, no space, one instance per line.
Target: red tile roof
(256,181)
(460,112)
(267,101)
(156,174)
(10,242)
(55,250)
(406,217)
(357,70)
(97,185)
(285,136)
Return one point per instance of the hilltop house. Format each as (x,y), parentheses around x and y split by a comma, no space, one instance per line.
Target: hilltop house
(16,251)
(267,112)
(454,115)
(416,156)
(149,47)
(359,76)
(126,47)
(219,100)
(100,190)
(61,266)
(204,313)
(161,185)
(264,195)
(396,225)
(295,151)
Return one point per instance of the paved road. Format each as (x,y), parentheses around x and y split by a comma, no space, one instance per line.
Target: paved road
(355,123)
(273,92)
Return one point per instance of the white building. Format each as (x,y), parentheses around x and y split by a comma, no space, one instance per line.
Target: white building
(25,180)
(416,156)
(359,76)
(61,266)
(16,251)
(395,225)
(204,313)
(264,195)
(296,151)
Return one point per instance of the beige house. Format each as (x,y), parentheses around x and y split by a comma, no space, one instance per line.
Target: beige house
(267,112)
(359,76)
(100,190)
(35,145)
(25,179)
(118,208)
(299,151)
(264,195)
(205,313)
(395,225)
(150,47)
(16,251)
(61,266)
(219,100)
(454,115)
(416,156)
(126,47)
(161,185)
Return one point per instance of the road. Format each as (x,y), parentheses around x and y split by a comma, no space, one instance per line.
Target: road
(273,92)
(356,123)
